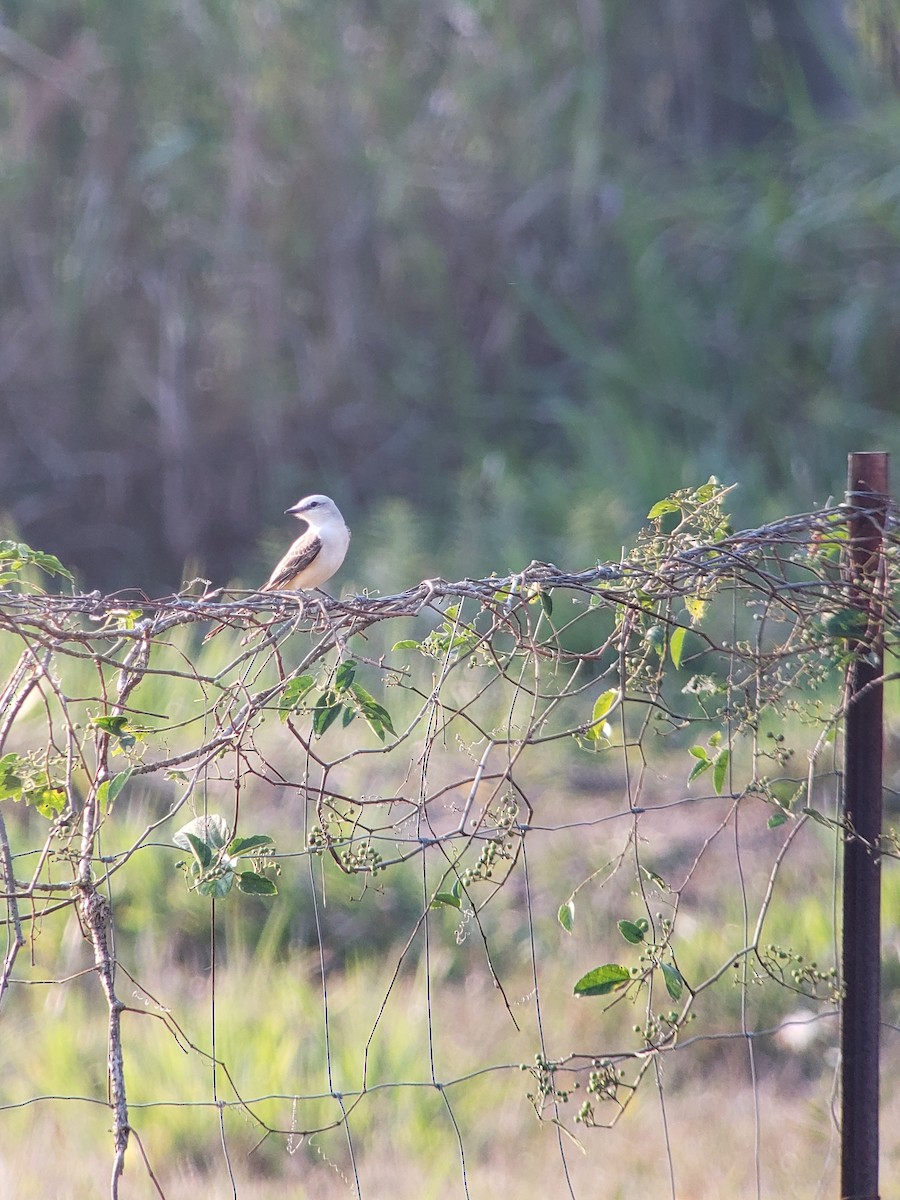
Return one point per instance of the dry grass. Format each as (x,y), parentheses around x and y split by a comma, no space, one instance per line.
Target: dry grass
(710,1139)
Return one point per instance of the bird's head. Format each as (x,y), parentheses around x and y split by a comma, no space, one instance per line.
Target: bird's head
(315,510)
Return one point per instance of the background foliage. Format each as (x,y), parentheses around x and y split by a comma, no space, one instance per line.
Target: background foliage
(496,275)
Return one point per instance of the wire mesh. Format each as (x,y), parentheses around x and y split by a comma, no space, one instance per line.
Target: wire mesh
(349,894)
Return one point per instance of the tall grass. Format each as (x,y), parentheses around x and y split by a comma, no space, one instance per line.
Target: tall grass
(490,266)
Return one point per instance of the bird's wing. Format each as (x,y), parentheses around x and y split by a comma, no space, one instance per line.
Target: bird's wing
(301,555)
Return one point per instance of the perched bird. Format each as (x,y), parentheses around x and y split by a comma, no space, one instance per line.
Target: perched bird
(316,554)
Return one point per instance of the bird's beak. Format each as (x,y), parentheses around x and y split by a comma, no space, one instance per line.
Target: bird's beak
(293,511)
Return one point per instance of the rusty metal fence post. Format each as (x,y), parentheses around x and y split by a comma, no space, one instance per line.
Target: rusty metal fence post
(867,498)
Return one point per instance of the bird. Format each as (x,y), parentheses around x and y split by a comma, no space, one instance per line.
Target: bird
(316,554)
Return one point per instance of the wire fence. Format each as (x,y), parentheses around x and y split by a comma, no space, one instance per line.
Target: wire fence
(341,896)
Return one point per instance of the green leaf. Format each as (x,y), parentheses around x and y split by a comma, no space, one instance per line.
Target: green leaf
(293,693)
(673,979)
(200,850)
(217,887)
(707,490)
(48,801)
(631,932)
(343,676)
(661,508)
(127,618)
(602,980)
(211,830)
(17,555)
(566,915)
(703,765)
(243,845)
(407,644)
(325,713)
(256,885)
(110,788)
(117,727)
(11,782)
(654,878)
(447,898)
(697,607)
(820,818)
(49,563)
(720,771)
(376,714)
(604,703)
(676,645)
(777,819)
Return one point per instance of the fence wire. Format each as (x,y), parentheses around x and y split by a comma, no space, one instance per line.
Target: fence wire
(349,894)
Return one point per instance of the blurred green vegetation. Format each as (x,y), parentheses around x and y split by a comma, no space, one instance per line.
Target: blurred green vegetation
(496,276)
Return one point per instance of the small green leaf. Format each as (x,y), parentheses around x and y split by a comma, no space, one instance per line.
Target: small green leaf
(407,644)
(720,771)
(343,676)
(292,695)
(566,915)
(703,765)
(218,887)
(676,645)
(11,782)
(326,712)
(376,714)
(820,818)
(661,508)
(776,819)
(110,788)
(654,878)
(602,980)
(49,563)
(48,801)
(17,555)
(697,607)
(211,830)
(243,845)
(708,490)
(700,752)
(255,885)
(604,704)
(200,850)
(631,932)
(673,979)
(546,601)
(447,898)
(117,727)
